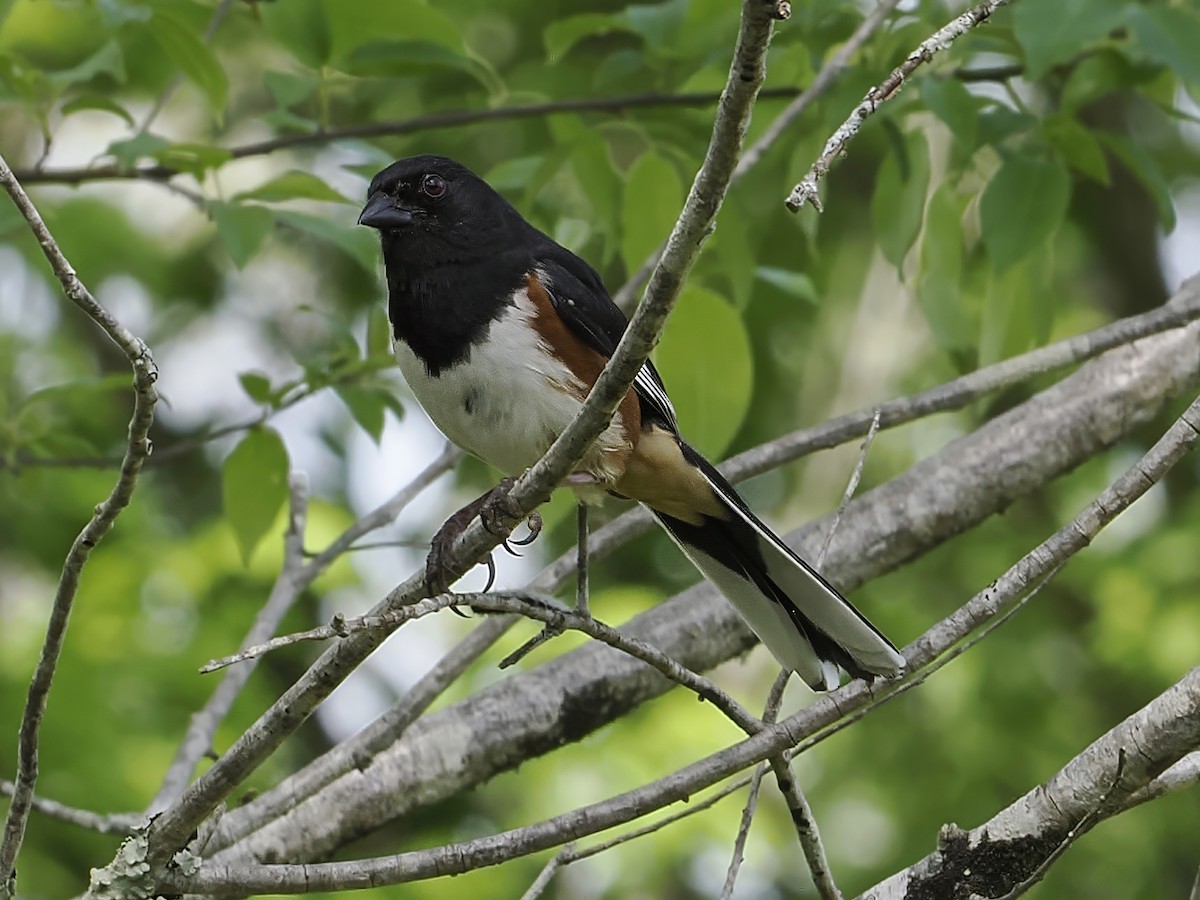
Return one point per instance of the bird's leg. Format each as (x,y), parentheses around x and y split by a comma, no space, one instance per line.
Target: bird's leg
(581,575)
(438,574)
(498,515)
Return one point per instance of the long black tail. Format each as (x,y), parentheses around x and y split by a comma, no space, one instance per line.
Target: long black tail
(803,620)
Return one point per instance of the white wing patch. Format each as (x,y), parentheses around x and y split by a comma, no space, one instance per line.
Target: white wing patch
(646,385)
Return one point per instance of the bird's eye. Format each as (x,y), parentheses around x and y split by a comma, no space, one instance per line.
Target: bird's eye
(433,186)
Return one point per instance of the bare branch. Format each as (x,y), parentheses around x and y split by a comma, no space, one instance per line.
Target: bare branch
(137,448)
(429,122)
(111,823)
(806,191)
(770,715)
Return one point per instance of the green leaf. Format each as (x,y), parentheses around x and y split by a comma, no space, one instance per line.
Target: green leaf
(356,23)
(950,101)
(257,386)
(254,487)
(899,199)
(1054,31)
(564,34)
(242,228)
(1078,147)
(652,200)
(1022,207)
(301,26)
(359,243)
(1096,76)
(794,284)
(939,288)
(288,89)
(128,152)
(195,58)
(293,185)
(367,407)
(379,332)
(399,59)
(1144,168)
(100,102)
(108,60)
(1168,35)
(195,159)
(706,362)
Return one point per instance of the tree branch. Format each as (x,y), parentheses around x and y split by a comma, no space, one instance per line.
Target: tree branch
(999,854)
(430,122)
(806,191)
(111,823)
(138,447)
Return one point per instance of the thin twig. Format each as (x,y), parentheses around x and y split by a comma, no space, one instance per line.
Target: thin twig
(806,191)
(851,488)
(137,448)
(428,122)
(103,823)
(824,80)
(523,603)
(770,714)
(581,573)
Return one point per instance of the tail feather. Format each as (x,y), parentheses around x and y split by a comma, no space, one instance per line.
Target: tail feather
(802,619)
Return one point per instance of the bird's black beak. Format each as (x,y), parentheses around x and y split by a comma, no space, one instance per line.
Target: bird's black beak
(382,212)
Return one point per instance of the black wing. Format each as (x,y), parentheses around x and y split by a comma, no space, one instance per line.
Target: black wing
(579,298)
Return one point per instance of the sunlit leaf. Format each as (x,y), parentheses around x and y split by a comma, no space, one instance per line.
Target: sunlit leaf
(97,102)
(254,486)
(562,35)
(293,185)
(653,197)
(706,361)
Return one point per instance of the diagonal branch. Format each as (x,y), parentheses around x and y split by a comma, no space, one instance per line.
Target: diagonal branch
(138,447)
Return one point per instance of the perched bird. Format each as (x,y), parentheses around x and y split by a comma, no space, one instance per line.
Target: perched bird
(500,333)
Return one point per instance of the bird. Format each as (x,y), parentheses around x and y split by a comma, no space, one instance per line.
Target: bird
(501,332)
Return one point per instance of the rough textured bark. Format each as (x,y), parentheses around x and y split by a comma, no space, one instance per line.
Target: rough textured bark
(999,855)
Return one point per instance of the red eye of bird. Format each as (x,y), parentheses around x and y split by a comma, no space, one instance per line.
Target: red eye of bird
(433,186)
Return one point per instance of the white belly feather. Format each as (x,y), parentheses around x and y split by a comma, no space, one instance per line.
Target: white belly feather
(509,400)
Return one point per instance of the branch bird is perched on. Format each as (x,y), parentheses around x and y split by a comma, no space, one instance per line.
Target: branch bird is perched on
(501,333)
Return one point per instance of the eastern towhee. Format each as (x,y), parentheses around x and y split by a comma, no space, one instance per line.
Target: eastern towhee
(501,333)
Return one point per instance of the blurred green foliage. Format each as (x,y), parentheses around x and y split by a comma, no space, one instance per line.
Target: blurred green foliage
(1017,191)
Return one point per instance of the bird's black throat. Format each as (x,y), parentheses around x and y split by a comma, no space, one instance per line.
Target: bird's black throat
(442,310)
